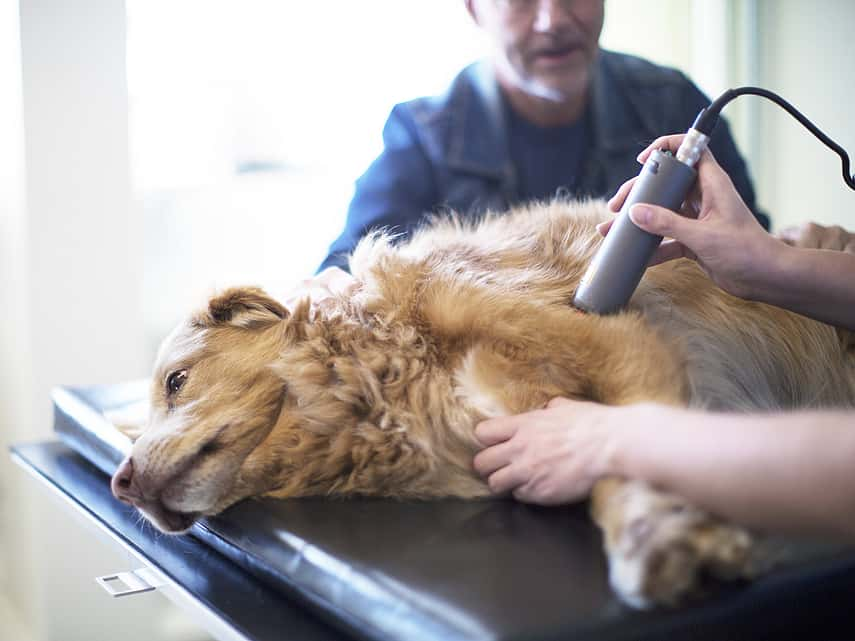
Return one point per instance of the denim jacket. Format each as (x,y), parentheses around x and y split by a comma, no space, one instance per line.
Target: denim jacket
(451,151)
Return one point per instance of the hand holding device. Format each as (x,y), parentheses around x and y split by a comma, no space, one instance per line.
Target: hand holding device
(616,269)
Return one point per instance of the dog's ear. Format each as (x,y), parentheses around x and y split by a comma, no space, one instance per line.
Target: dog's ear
(247,307)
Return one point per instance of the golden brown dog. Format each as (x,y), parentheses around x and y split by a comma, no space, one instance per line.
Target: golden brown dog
(379,393)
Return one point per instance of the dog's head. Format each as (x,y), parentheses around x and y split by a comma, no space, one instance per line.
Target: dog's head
(248,399)
(214,399)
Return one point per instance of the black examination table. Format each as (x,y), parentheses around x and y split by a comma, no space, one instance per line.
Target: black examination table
(408,571)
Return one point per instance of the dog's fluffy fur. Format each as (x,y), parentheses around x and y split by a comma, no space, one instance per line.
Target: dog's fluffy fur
(379,393)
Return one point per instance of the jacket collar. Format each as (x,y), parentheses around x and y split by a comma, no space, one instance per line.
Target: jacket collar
(619,123)
(478,141)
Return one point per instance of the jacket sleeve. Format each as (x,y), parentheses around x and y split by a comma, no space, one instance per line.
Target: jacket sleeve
(724,149)
(396,190)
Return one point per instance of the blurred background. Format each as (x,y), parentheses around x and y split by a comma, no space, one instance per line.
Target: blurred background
(154,150)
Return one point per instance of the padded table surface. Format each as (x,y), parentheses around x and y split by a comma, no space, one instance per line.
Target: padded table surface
(245,607)
(385,570)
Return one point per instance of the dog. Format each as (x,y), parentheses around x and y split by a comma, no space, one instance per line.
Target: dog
(377,393)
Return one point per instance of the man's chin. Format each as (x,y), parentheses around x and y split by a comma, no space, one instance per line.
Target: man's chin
(553,85)
(544,91)
(560,82)
(561,85)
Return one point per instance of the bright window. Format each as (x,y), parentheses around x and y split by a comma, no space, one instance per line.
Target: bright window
(250,121)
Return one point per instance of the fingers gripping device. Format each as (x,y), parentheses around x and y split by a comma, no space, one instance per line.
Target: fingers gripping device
(665,180)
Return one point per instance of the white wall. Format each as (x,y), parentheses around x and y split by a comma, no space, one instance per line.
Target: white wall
(807,56)
(15,367)
(70,272)
(658,31)
(801,50)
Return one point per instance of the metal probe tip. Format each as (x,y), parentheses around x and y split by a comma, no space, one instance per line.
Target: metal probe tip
(692,147)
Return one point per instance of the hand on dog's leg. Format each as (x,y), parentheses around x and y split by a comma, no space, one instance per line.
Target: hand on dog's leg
(331,282)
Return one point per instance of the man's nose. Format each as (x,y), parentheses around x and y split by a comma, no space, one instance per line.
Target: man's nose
(550,14)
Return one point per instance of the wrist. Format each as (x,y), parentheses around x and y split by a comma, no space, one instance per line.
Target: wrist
(634,442)
(768,270)
(619,431)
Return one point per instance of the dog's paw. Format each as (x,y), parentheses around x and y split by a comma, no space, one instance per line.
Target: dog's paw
(660,549)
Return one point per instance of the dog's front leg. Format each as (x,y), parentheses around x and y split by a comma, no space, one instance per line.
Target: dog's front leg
(659,546)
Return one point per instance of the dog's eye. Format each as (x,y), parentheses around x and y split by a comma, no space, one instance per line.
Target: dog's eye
(175,381)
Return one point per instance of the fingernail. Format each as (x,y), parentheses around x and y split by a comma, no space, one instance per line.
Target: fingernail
(640,214)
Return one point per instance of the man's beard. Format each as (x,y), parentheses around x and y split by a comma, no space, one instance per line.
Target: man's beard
(532,85)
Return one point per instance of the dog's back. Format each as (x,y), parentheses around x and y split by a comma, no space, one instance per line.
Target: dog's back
(470,280)
(742,355)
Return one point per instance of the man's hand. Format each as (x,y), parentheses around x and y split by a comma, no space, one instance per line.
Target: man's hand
(333,281)
(814,236)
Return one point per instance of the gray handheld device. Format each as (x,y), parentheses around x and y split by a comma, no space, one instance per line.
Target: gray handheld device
(619,264)
(665,180)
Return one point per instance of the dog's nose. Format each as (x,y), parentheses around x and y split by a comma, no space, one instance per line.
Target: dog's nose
(122,483)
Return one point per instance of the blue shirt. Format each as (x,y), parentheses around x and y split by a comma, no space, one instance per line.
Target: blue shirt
(454,151)
(546,159)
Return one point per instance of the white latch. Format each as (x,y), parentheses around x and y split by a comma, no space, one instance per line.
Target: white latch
(128,583)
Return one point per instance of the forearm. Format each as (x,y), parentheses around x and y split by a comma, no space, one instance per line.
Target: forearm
(783,472)
(817,283)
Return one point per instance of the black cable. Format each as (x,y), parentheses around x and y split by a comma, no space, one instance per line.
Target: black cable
(707,119)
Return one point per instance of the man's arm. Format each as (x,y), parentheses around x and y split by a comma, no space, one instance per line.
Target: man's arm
(815,236)
(394,192)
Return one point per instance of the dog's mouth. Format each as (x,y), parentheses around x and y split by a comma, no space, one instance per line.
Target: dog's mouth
(166,519)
